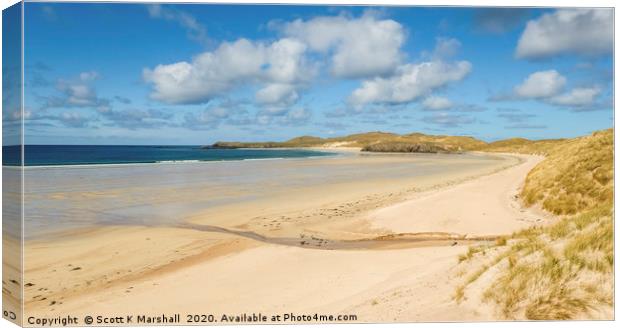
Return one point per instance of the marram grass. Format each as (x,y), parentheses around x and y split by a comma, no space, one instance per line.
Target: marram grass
(563,270)
(577,175)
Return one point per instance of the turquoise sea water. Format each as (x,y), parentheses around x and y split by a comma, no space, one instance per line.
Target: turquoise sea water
(60,198)
(47,155)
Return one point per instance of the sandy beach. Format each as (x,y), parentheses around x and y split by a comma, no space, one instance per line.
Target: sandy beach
(376,236)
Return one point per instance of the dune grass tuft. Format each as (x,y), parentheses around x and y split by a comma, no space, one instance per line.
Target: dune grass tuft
(563,270)
(577,175)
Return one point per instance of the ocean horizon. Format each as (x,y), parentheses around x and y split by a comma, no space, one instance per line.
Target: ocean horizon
(64,155)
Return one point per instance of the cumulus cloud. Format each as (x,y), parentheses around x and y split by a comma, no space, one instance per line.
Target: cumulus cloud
(436,103)
(76,92)
(410,82)
(231,112)
(298,116)
(195,30)
(88,76)
(568,31)
(73,119)
(281,63)
(541,85)
(292,117)
(13,116)
(548,86)
(209,118)
(365,47)
(446,48)
(576,97)
(79,92)
(279,95)
(39,118)
(358,47)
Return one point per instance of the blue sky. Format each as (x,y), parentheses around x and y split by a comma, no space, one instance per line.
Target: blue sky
(196,74)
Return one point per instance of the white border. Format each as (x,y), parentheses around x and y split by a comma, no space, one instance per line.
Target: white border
(469,3)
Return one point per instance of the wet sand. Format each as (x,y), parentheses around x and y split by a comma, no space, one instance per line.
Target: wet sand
(330,235)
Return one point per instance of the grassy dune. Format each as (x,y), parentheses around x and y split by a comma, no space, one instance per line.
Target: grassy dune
(391,142)
(563,270)
(576,176)
(522,146)
(382,141)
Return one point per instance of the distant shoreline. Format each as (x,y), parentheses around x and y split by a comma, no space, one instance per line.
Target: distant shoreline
(98,156)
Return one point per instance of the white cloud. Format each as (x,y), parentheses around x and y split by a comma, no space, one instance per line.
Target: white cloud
(298,115)
(15,115)
(436,103)
(286,61)
(241,62)
(219,112)
(195,30)
(364,47)
(77,92)
(359,47)
(88,76)
(293,117)
(136,118)
(541,84)
(548,86)
(577,97)
(579,31)
(446,48)
(277,95)
(210,117)
(223,111)
(410,82)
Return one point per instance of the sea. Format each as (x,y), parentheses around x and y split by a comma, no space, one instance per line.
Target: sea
(56,155)
(68,188)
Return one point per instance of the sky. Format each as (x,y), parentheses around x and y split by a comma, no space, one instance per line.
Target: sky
(195,74)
